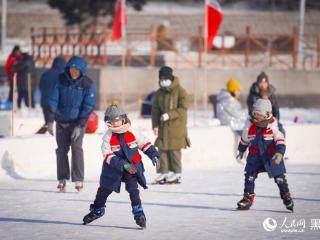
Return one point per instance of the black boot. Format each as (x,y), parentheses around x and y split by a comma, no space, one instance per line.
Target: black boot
(139,216)
(287,201)
(246,202)
(94,214)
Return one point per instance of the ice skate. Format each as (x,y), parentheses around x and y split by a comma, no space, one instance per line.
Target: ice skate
(94,214)
(287,201)
(174,178)
(139,216)
(79,186)
(161,179)
(62,186)
(246,202)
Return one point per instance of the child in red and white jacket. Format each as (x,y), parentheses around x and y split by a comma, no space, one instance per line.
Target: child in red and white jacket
(266,150)
(122,163)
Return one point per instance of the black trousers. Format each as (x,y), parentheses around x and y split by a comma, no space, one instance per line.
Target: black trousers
(131,187)
(23,96)
(64,142)
(281,181)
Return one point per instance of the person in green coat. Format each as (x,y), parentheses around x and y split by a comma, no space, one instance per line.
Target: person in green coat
(169,124)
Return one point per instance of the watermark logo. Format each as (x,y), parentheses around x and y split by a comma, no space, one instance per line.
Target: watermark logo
(293,226)
(315,224)
(270,224)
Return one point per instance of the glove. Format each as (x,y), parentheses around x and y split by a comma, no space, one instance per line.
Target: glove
(277,157)
(49,127)
(164,117)
(155,161)
(239,157)
(130,168)
(76,133)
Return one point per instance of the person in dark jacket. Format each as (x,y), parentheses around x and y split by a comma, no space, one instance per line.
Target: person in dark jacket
(266,151)
(263,89)
(25,69)
(122,163)
(47,81)
(72,100)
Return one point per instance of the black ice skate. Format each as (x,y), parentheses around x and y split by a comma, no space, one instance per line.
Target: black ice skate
(246,202)
(62,186)
(139,216)
(94,214)
(287,201)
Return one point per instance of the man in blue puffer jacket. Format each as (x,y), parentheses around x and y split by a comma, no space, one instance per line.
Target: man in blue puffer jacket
(47,81)
(72,99)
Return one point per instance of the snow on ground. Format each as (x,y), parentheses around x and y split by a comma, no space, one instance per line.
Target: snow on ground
(202,207)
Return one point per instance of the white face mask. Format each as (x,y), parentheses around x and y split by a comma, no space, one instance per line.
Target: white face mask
(165,83)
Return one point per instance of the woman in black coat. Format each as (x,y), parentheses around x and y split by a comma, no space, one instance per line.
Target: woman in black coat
(263,89)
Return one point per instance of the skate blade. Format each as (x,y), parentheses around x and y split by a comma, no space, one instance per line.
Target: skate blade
(242,209)
(62,190)
(174,182)
(159,183)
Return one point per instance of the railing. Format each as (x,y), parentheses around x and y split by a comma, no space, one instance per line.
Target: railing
(248,50)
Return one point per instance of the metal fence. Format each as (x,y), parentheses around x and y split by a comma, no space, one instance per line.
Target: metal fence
(185,50)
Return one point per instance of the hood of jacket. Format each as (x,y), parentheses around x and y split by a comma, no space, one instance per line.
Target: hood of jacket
(78,63)
(59,64)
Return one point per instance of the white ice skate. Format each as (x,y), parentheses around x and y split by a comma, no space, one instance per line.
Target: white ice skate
(174,178)
(161,179)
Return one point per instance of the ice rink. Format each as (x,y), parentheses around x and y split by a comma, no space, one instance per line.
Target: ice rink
(202,207)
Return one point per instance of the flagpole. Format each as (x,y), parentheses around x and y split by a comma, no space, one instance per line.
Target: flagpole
(124,47)
(205,95)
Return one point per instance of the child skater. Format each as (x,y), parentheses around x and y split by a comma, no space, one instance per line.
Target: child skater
(266,149)
(122,163)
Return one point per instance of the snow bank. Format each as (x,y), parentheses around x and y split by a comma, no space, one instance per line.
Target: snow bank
(212,147)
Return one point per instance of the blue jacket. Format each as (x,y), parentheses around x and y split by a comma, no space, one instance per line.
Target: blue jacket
(117,149)
(48,80)
(263,143)
(72,101)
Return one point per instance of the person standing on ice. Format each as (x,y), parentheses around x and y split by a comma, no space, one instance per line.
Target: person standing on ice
(229,110)
(169,124)
(266,150)
(47,81)
(72,99)
(25,68)
(13,58)
(122,163)
(263,89)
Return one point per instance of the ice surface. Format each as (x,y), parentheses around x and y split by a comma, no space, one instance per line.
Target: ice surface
(202,207)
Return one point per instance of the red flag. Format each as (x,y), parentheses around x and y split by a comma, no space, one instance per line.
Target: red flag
(214,17)
(119,20)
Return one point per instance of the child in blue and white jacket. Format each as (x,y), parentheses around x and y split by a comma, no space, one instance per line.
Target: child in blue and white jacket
(266,150)
(122,163)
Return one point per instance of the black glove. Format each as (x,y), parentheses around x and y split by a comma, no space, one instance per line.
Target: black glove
(130,168)
(155,161)
(239,157)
